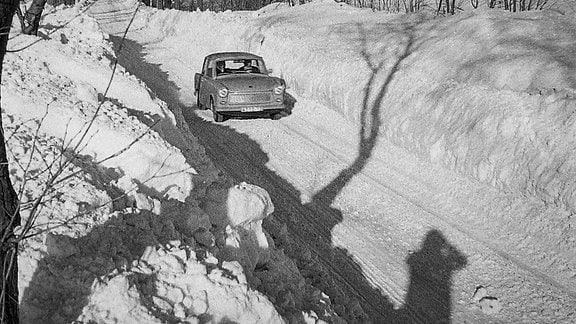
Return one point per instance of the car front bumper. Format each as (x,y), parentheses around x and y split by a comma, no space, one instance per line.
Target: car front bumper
(250,109)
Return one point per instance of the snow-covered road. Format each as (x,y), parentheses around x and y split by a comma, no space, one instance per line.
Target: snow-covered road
(411,240)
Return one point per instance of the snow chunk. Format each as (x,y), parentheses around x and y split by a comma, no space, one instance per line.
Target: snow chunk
(248,203)
(222,293)
(238,205)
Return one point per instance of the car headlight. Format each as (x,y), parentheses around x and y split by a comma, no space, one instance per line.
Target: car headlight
(279,90)
(223,93)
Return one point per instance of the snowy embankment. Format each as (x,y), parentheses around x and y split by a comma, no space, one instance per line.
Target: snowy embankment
(488,93)
(118,236)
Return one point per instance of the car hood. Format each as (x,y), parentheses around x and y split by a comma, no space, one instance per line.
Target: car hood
(249,82)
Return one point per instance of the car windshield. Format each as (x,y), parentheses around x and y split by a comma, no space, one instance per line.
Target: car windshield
(238,66)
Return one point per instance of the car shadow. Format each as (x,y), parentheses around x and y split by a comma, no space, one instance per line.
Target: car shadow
(303,231)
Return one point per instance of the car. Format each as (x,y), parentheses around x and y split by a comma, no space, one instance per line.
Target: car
(237,84)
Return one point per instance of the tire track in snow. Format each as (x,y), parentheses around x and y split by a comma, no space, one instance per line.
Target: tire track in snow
(288,196)
(312,233)
(433,214)
(287,201)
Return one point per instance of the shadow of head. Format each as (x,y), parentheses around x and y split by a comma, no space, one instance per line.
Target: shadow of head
(437,256)
(431,270)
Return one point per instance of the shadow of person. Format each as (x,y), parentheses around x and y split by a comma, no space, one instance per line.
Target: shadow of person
(431,269)
(354,288)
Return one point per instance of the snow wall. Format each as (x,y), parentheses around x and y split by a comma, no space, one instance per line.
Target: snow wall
(489,94)
(118,236)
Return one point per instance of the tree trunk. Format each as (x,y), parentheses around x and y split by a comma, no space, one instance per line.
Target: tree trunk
(31,20)
(9,215)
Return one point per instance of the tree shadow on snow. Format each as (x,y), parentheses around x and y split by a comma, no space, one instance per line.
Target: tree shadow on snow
(428,299)
(65,275)
(303,231)
(72,268)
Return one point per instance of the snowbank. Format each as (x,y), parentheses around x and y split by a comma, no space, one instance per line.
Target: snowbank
(118,237)
(487,93)
(66,77)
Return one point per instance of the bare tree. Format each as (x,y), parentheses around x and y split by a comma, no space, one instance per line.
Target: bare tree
(9,212)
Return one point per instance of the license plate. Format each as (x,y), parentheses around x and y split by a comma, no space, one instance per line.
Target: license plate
(250,109)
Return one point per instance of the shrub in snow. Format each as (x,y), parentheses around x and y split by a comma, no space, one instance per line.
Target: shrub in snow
(187,218)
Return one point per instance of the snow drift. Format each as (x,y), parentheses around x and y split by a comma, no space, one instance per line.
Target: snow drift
(487,93)
(119,236)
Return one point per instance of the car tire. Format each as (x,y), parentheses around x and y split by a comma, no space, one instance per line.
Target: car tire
(217,116)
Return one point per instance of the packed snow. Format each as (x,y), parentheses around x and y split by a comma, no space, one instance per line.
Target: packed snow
(136,224)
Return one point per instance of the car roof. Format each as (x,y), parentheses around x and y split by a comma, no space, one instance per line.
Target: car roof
(232,55)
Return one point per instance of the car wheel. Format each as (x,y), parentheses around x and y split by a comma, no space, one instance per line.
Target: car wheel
(217,116)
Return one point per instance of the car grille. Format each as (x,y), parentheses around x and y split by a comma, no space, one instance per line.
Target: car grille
(249,98)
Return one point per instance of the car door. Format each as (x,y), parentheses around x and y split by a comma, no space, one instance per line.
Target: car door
(200,84)
(206,82)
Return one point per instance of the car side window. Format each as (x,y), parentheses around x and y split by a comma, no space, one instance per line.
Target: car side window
(209,69)
(261,66)
(204,66)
